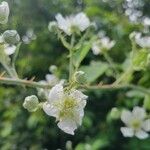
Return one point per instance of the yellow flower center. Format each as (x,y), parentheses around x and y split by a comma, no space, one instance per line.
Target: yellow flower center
(136,124)
(67,107)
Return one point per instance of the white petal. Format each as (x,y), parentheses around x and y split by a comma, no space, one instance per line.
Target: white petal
(82,21)
(9,50)
(78,95)
(127,132)
(139,112)
(141,134)
(63,23)
(56,93)
(68,126)
(146,125)
(78,114)
(50,110)
(126,116)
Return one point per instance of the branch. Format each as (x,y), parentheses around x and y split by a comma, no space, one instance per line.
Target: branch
(29,83)
(116,87)
(33,84)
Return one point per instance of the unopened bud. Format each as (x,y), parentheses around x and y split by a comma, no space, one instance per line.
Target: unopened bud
(53,68)
(52,26)
(114,113)
(4,12)
(11,37)
(80,77)
(31,103)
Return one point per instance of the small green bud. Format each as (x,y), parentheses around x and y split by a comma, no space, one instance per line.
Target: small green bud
(147,102)
(69,145)
(52,26)
(11,37)
(114,113)
(53,69)
(80,77)
(31,103)
(132,35)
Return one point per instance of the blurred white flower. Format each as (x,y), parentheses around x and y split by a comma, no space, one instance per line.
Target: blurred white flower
(4,12)
(9,49)
(74,22)
(102,44)
(29,36)
(66,107)
(146,21)
(136,123)
(52,80)
(143,41)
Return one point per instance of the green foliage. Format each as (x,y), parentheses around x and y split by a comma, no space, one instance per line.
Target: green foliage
(36,131)
(94,70)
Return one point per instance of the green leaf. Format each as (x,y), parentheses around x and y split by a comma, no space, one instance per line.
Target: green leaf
(95,70)
(81,54)
(140,59)
(147,102)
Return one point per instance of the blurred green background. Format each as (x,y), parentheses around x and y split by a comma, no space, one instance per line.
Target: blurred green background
(21,130)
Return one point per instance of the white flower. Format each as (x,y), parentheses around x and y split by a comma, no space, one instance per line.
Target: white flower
(142,41)
(4,12)
(68,24)
(103,43)
(66,107)
(136,123)
(9,49)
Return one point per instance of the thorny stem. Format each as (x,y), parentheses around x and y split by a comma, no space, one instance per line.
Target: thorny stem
(33,84)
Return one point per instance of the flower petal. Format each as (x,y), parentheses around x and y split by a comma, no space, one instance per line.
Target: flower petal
(146,125)
(82,21)
(139,112)
(50,110)
(56,93)
(63,23)
(78,95)
(127,132)
(141,134)
(126,116)
(68,126)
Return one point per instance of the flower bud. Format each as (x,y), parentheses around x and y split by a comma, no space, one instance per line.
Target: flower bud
(52,26)
(31,103)
(53,68)
(11,37)
(80,77)
(4,12)
(114,113)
